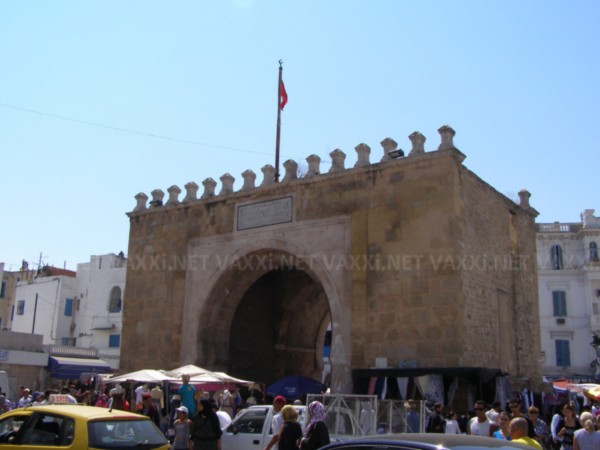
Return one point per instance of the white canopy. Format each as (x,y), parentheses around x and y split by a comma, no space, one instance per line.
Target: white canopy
(229,379)
(200,375)
(190,370)
(143,376)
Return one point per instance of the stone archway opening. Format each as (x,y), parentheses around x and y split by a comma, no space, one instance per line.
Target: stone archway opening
(263,311)
(279,327)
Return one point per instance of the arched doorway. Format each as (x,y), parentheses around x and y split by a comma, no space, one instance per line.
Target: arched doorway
(238,285)
(265,318)
(279,327)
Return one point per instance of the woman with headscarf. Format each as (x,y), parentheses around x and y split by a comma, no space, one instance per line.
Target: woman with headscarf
(206,433)
(317,434)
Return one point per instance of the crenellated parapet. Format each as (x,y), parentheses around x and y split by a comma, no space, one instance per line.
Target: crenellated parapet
(388,145)
(249,179)
(418,143)
(157,198)
(191,192)
(209,188)
(268,175)
(338,159)
(291,170)
(227,181)
(447,135)
(391,155)
(174,192)
(314,166)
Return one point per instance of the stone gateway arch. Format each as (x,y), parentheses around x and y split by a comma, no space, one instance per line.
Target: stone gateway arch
(288,292)
(408,259)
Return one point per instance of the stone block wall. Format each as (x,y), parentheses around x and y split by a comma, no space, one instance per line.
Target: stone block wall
(499,271)
(419,227)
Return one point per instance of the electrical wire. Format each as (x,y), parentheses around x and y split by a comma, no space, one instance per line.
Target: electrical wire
(139,133)
(127,130)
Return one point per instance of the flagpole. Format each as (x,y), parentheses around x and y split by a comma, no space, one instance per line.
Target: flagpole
(278,123)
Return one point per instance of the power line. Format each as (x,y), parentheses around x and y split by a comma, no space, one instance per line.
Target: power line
(127,130)
(140,133)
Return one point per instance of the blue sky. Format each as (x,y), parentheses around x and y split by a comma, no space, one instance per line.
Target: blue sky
(85,84)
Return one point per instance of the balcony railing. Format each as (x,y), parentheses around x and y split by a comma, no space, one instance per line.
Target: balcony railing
(63,350)
(554,228)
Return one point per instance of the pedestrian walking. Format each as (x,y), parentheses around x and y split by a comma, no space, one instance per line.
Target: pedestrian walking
(182,427)
(206,433)
(317,434)
(291,432)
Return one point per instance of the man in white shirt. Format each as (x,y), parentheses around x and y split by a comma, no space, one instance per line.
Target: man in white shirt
(494,413)
(224,418)
(480,424)
(25,399)
(278,403)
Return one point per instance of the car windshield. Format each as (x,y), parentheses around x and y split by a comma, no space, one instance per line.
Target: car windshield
(124,434)
(249,421)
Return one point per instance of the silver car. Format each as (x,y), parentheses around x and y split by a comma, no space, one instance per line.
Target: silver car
(424,441)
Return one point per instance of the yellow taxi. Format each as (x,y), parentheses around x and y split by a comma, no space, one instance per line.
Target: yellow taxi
(77,427)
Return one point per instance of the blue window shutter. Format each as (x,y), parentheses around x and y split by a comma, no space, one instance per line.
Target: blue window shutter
(114,340)
(563,354)
(69,307)
(593,251)
(556,256)
(559,303)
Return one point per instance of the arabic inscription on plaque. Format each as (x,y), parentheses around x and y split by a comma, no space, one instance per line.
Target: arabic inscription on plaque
(263,214)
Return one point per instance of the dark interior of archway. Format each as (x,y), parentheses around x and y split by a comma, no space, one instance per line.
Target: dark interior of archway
(277,328)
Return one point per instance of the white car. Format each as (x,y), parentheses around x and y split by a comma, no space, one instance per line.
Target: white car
(251,428)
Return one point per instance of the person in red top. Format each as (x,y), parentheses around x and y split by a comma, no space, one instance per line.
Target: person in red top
(102,401)
(149,409)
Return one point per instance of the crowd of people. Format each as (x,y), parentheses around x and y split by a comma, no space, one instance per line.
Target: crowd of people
(565,431)
(194,418)
(27,397)
(287,432)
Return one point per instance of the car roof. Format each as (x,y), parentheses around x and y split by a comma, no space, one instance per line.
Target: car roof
(437,439)
(86,412)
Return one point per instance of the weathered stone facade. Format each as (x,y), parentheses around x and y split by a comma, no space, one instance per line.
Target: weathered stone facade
(413,258)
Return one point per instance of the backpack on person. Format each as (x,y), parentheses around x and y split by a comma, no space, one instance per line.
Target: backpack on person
(203,429)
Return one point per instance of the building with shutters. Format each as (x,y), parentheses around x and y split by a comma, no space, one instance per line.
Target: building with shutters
(569,289)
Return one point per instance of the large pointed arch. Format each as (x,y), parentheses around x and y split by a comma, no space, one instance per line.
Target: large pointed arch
(226,266)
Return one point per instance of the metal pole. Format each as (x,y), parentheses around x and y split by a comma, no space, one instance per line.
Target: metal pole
(278,123)
(34,313)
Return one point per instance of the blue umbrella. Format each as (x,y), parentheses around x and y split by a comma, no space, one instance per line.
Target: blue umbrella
(295,386)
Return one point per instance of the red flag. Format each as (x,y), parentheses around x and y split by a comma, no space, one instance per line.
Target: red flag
(282,95)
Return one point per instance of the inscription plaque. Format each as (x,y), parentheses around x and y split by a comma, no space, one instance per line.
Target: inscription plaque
(262,214)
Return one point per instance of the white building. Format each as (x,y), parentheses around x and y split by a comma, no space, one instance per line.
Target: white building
(10,281)
(78,314)
(98,317)
(3,299)
(44,305)
(569,291)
